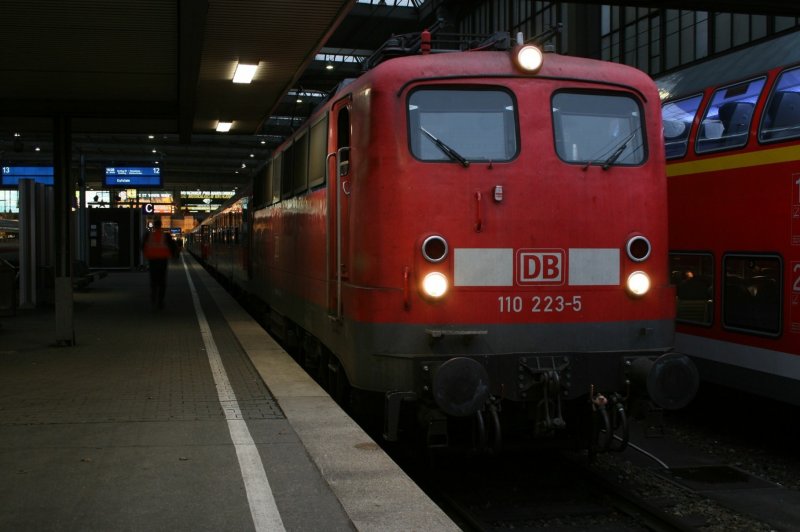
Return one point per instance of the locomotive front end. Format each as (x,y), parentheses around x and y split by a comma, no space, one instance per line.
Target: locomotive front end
(528,219)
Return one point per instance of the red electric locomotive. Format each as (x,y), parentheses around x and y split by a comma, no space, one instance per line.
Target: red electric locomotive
(732,132)
(476,238)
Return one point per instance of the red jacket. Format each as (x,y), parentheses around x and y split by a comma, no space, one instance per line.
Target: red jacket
(158,245)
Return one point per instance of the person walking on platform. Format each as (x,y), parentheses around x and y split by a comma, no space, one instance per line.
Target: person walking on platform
(158,247)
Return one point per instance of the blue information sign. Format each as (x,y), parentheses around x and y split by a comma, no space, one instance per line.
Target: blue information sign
(133,176)
(40,174)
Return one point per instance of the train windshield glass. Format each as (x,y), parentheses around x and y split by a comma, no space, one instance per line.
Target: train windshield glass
(602,129)
(678,117)
(462,125)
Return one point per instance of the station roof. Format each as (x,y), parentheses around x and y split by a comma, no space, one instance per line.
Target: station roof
(124,71)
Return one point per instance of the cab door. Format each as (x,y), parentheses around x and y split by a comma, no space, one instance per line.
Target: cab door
(338,167)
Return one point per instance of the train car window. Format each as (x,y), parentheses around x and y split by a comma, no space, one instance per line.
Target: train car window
(343,140)
(781,118)
(244,227)
(594,128)
(726,124)
(317,150)
(693,277)
(678,117)
(260,187)
(751,297)
(460,125)
(267,185)
(300,164)
(277,165)
(286,172)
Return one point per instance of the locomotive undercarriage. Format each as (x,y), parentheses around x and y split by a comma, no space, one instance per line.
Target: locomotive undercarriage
(491,401)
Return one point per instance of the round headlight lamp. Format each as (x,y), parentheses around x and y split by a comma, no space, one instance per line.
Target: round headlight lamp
(638,249)
(435,285)
(529,58)
(434,249)
(638,283)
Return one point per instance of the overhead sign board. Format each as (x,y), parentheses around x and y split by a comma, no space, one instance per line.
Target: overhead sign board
(133,176)
(40,174)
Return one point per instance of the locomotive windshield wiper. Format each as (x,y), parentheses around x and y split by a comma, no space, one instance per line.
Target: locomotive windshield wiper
(621,148)
(447,150)
(614,155)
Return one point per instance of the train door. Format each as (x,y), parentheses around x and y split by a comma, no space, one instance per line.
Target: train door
(339,172)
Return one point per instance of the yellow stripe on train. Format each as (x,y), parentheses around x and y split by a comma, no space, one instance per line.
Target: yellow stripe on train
(739,160)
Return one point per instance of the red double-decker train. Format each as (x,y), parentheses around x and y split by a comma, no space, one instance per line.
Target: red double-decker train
(732,133)
(475,241)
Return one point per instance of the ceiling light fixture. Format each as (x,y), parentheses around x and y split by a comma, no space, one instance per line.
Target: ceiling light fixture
(224,127)
(244,73)
(328,66)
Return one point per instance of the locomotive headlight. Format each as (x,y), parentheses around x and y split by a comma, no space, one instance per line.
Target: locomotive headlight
(435,285)
(638,283)
(529,58)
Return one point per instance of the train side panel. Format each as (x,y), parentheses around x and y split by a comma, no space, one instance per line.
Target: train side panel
(735,232)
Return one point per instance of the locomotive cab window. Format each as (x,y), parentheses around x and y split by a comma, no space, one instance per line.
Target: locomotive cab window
(726,123)
(678,117)
(603,129)
(461,125)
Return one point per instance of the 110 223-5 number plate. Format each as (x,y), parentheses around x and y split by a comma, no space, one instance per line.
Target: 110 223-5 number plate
(537,304)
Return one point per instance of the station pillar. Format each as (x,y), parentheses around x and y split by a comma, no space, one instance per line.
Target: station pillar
(64,198)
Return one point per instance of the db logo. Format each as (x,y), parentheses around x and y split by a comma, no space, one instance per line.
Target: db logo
(540,266)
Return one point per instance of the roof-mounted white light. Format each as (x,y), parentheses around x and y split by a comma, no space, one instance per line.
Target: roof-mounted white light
(244,73)
(528,58)
(224,127)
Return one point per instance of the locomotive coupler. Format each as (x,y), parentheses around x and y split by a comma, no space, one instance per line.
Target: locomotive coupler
(551,386)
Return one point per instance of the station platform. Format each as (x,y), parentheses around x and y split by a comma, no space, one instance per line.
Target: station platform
(185,418)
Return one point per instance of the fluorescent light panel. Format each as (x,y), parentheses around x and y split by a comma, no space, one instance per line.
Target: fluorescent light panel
(224,127)
(244,73)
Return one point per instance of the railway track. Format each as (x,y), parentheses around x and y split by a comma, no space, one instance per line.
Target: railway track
(662,485)
(558,491)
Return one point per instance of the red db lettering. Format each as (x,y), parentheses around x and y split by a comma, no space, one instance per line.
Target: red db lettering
(539,266)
